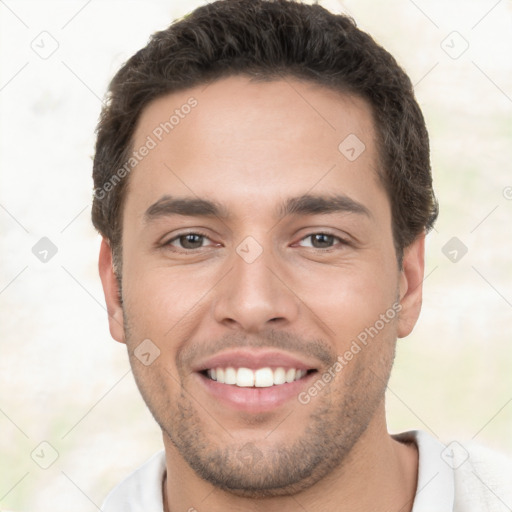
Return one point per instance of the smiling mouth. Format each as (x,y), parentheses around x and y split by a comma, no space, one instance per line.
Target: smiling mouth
(260,378)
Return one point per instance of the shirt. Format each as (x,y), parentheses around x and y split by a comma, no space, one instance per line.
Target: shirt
(451,478)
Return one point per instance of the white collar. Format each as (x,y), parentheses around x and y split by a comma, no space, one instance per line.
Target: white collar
(436,487)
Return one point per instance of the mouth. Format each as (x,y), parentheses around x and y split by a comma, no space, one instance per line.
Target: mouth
(254,381)
(260,378)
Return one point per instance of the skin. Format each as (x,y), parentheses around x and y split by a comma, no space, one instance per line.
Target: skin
(249,146)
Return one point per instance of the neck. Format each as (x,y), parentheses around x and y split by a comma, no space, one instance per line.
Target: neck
(379,472)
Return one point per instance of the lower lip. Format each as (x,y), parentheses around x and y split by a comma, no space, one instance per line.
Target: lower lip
(256,400)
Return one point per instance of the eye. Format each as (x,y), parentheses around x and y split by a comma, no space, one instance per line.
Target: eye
(195,240)
(322,240)
(187,241)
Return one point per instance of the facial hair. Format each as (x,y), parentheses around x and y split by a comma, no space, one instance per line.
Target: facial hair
(260,467)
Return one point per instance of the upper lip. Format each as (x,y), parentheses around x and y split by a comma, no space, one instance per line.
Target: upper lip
(252,359)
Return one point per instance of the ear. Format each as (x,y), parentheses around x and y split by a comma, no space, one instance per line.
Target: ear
(411,285)
(111,291)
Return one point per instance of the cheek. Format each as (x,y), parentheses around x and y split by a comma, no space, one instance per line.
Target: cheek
(348,300)
(159,301)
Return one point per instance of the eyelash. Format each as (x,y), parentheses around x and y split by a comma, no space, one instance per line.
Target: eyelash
(167,244)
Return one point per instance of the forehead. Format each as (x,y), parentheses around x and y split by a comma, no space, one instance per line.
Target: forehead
(237,138)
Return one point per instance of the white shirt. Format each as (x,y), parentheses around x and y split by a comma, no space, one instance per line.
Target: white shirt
(451,478)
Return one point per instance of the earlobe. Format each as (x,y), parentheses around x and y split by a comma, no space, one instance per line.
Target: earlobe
(411,285)
(111,291)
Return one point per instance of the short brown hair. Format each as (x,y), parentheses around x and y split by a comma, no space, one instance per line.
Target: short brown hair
(268,39)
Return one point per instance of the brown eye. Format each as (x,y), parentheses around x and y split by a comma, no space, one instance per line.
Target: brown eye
(322,240)
(191,241)
(188,241)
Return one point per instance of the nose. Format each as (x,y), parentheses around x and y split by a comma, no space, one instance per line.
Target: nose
(256,295)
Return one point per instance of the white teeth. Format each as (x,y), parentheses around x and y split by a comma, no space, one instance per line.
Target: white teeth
(300,374)
(260,378)
(263,378)
(279,376)
(230,376)
(245,378)
(290,375)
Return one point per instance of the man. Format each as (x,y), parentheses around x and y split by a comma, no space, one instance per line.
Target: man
(263,189)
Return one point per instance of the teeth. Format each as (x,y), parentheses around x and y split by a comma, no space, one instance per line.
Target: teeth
(290,375)
(260,378)
(230,376)
(263,378)
(244,378)
(279,376)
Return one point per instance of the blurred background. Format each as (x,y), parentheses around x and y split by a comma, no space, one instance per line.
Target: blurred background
(72,422)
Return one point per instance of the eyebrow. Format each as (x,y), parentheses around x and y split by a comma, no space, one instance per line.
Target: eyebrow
(305,204)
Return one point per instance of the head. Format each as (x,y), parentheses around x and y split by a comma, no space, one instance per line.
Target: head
(263,188)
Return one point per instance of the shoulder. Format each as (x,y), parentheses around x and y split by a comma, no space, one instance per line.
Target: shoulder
(459,476)
(141,491)
(483,478)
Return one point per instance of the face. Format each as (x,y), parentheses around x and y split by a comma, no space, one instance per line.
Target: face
(259,266)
